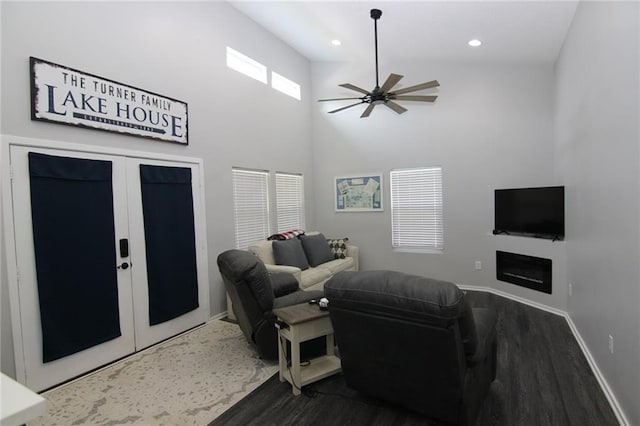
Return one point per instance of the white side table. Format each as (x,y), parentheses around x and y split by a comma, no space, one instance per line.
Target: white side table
(305,322)
(19,404)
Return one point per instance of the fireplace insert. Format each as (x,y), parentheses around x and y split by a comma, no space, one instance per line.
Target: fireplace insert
(526,271)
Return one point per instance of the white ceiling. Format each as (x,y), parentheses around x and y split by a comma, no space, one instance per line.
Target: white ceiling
(531,31)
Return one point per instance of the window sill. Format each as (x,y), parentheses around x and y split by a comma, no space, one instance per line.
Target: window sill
(417,250)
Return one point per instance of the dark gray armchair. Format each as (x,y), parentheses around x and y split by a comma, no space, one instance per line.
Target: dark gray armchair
(413,341)
(254,294)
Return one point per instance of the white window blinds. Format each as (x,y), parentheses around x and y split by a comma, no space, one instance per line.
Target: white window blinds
(251,205)
(289,202)
(416,209)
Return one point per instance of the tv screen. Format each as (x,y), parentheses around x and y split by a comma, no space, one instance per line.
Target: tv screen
(537,212)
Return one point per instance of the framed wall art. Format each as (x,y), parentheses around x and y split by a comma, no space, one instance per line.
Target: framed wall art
(358,193)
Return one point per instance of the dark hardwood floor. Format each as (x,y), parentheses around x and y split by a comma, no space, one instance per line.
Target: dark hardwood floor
(542,379)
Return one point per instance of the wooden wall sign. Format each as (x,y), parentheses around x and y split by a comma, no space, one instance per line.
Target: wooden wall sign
(67,96)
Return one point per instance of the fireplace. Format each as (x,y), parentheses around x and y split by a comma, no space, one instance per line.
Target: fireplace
(526,271)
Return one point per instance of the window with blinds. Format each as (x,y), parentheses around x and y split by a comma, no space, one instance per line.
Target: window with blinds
(251,206)
(416,209)
(289,201)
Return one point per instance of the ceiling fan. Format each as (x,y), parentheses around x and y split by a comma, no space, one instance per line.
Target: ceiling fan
(384,95)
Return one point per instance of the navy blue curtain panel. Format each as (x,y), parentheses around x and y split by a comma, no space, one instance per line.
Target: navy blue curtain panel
(74,242)
(167,205)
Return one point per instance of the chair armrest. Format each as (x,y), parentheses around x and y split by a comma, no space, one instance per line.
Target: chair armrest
(296,297)
(296,272)
(354,252)
(283,283)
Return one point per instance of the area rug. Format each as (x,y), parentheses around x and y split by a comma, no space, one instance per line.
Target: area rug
(188,380)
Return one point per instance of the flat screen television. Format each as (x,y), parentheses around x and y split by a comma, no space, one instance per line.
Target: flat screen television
(535,212)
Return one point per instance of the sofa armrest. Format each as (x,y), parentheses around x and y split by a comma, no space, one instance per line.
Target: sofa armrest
(354,252)
(296,272)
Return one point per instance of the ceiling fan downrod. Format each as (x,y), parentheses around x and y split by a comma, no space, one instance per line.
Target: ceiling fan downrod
(375,15)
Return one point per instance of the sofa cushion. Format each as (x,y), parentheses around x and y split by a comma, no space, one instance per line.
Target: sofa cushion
(314,275)
(316,249)
(290,252)
(338,265)
(339,247)
(264,251)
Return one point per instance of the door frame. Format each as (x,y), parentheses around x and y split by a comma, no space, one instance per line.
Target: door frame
(7,141)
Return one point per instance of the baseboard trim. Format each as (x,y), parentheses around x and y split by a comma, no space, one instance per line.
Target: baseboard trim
(615,406)
(531,303)
(217,317)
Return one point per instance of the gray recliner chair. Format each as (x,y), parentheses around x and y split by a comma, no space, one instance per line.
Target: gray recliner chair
(254,294)
(413,341)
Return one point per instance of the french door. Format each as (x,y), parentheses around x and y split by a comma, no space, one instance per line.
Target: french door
(110,257)
(170,290)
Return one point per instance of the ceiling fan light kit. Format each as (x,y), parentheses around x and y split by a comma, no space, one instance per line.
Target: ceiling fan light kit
(384,95)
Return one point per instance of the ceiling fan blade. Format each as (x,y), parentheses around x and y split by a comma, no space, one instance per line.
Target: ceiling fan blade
(420,98)
(367,111)
(352,87)
(392,80)
(422,86)
(348,106)
(336,99)
(394,106)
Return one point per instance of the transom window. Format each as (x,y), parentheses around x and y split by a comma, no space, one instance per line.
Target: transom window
(245,65)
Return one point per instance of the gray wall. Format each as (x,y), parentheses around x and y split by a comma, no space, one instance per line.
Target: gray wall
(177,50)
(491,127)
(598,158)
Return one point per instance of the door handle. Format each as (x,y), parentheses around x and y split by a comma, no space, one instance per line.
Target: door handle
(124,247)
(124,265)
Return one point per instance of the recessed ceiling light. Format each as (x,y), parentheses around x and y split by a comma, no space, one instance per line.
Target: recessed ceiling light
(336,42)
(475,42)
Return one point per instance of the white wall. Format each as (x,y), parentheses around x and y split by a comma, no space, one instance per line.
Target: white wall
(491,127)
(177,50)
(598,157)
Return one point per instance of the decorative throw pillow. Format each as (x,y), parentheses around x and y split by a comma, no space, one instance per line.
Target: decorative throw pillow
(338,247)
(316,248)
(286,235)
(290,252)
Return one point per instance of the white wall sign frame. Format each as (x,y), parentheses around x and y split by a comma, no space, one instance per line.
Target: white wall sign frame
(361,193)
(67,96)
